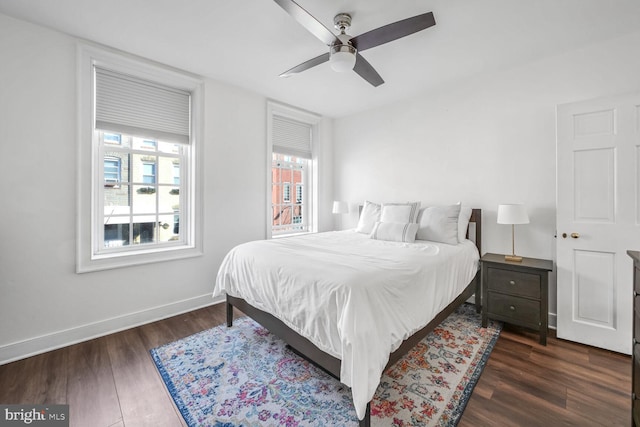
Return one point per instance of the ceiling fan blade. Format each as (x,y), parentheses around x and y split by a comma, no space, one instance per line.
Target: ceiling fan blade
(304,18)
(393,31)
(366,71)
(306,65)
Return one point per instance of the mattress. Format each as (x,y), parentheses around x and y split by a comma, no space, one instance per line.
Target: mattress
(354,297)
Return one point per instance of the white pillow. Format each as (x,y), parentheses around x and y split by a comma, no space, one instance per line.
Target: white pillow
(368,217)
(463,223)
(395,231)
(439,224)
(400,212)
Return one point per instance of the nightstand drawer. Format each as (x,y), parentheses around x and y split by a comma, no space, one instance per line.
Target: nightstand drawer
(522,310)
(513,282)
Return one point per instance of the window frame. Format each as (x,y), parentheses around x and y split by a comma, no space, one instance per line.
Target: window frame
(286,192)
(152,175)
(302,165)
(118,173)
(299,193)
(90,174)
(310,187)
(176,177)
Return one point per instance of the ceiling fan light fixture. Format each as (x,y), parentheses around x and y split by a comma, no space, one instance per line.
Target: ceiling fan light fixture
(343,52)
(343,57)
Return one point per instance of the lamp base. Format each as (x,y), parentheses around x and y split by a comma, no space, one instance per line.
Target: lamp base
(513,258)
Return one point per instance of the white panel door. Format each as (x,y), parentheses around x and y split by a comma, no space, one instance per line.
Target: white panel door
(598,157)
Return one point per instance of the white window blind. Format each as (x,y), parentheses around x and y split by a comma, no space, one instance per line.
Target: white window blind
(127,104)
(291,137)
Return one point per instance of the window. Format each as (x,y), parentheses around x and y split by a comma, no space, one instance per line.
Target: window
(140,125)
(148,173)
(144,208)
(287,213)
(299,193)
(148,144)
(286,190)
(176,173)
(112,170)
(291,136)
(112,138)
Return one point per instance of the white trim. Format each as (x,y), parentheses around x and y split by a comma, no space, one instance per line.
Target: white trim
(86,258)
(55,340)
(283,110)
(553,320)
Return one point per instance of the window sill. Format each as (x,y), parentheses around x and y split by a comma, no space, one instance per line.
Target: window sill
(119,260)
(302,233)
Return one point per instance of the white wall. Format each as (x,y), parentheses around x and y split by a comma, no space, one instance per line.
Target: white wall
(484,141)
(43,302)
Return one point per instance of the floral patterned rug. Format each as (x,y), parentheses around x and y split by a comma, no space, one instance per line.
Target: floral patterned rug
(245,376)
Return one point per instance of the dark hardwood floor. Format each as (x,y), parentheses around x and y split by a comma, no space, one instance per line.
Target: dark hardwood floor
(561,384)
(112,381)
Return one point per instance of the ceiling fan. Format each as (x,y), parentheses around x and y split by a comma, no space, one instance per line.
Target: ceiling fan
(344,50)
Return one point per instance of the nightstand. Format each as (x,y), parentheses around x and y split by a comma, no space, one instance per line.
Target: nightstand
(516,292)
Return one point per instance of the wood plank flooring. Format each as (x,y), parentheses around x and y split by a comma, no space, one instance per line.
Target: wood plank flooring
(112,381)
(561,384)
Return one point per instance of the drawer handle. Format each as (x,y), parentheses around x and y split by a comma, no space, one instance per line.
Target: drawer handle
(512,282)
(512,307)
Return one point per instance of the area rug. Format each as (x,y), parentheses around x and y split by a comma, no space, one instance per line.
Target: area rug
(244,376)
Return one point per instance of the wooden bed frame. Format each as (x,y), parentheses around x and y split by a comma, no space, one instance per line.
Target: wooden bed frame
(330,364)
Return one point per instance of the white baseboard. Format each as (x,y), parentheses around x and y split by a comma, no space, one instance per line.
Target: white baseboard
(553,321)
(42,344)
(32,346)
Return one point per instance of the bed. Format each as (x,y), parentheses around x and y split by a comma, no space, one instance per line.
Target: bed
(351,304)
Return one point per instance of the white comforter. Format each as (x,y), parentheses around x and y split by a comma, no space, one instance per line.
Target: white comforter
(354,297)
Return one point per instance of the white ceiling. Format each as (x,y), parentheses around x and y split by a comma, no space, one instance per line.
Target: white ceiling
(248,43)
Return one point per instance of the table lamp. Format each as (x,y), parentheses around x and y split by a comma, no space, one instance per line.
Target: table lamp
(340,207)
(512,214)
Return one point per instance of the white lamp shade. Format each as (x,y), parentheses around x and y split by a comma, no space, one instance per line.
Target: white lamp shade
(340,207)
(343,58)
(512,214)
